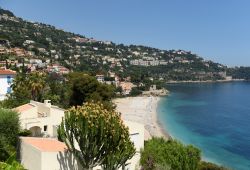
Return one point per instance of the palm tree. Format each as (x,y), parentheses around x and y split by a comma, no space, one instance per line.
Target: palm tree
(36,83)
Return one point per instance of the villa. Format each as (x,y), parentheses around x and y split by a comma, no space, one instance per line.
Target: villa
(43,151)
(41,119)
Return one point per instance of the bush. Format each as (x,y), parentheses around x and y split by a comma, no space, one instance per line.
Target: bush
(25,132)
(210,166)
(11,164)
(172,154)
(9,129)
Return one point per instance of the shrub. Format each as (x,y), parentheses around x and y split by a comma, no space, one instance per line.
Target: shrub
(9,129)
(172,154)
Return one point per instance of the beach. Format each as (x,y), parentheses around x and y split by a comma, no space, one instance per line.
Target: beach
(142,110)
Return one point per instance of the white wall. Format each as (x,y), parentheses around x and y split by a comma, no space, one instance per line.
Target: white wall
(30,156)
(34,159)
(4,86)
(59,161)
(136,132)
(29,118)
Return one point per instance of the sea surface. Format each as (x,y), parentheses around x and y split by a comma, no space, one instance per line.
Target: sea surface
(212,116)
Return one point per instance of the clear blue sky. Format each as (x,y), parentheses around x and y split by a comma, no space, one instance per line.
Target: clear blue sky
(214,29)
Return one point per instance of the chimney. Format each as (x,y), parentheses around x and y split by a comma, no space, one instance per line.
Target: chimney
(47,103)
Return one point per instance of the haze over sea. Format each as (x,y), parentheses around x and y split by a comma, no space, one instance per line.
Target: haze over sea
(212,116)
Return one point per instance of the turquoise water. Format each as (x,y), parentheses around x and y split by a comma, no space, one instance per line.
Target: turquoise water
(214,117)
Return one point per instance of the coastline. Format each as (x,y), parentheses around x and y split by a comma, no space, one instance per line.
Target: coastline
(142,110)
(205,81)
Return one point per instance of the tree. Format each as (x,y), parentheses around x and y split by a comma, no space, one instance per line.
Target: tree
(26,87)
(85,88)
(93,133)
(159,152)
(9,129)
(117,158)
(36,83)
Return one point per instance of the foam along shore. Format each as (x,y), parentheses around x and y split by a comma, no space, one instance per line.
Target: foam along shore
(142,110)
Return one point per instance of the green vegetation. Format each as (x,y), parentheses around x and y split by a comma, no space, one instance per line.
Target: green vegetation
(240,73)
(160,154)
(11,164)
(9,129)
(210,166)
(84,88)
(64,91)
(100,134)
(172,154)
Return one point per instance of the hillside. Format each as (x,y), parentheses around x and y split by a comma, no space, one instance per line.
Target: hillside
(78,53)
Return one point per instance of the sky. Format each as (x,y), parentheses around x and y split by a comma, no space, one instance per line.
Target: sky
(217,30)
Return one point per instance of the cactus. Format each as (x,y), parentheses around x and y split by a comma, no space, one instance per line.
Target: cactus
(93,133)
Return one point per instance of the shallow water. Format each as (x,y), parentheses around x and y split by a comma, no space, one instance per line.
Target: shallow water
(214,117)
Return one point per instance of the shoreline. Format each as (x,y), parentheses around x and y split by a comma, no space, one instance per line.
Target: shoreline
(142,109)
(205,81)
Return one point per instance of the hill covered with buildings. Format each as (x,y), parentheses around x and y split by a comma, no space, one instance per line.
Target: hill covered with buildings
(76,52)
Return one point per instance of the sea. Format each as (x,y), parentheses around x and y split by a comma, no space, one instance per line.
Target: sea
(214,117)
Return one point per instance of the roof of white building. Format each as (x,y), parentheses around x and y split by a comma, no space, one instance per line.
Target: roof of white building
(45,144)
(24,107)
(7,72)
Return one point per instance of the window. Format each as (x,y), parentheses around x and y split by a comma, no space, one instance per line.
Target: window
(8,79)
(8,89)
(45,128)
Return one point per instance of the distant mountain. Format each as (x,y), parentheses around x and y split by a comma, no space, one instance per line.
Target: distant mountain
(80,53)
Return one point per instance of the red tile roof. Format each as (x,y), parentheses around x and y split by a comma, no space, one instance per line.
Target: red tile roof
(45,144)
(23,108)
(7,72)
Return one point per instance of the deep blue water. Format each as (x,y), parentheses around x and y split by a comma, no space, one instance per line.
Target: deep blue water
(214,117)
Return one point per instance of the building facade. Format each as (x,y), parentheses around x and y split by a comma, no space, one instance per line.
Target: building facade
(42,119)
(6,79)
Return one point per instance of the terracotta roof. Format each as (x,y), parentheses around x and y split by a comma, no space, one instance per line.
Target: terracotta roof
(7,72)
(45,144)
(24,107)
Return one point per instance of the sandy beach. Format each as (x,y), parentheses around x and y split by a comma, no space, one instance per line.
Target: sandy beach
(142,110)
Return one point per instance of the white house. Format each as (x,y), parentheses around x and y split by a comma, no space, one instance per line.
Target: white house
(49,154)
(100,78)
(6,78)
(39,153)
(41,118)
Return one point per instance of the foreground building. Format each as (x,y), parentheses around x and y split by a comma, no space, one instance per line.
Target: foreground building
(6,79)
(41,119)
(44,152)
(48,153)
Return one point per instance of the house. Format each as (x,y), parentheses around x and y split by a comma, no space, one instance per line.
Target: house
(3,50)
(6,78)
(18,52)
(48,153)
(100,78)
(41,119)
(56,68)
(126,87)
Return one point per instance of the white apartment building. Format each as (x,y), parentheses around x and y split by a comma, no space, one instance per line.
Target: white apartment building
(6,78)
